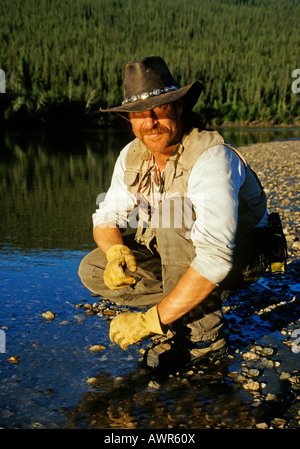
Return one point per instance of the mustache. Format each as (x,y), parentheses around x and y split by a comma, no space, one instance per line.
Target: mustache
(158,128)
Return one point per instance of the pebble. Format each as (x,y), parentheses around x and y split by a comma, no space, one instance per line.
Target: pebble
(15,359)
(278,422)
(284,376)
(295,381)
(266,352)
(253,372)
(296,244)
(79,318)
(256,349)
(118,379)
(49,315)
(96,348)
(108,312)
(153,384)
(236,376)
(261,425)
(100,309)
(250,356)
(267,363)
(37,425)
(251,385)
(87,306)
(91,380)
(271,397)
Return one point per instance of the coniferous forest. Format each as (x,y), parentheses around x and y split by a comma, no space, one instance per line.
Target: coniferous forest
(65,58)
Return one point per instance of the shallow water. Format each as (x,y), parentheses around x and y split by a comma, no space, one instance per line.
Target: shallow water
(49,186)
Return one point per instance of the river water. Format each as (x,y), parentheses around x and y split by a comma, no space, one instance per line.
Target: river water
(49,182)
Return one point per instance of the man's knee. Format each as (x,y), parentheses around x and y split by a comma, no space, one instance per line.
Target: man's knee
(92,263)
(84,268)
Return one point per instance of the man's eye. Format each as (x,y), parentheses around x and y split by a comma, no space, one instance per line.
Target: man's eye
(163,106)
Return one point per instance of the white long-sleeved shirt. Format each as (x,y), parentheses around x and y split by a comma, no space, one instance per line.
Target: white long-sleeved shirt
(213,189)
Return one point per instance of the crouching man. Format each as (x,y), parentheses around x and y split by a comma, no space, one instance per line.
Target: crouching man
(202,223)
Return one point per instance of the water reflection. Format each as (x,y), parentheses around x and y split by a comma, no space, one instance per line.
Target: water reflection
(200,400)
(49,185)
(248,136)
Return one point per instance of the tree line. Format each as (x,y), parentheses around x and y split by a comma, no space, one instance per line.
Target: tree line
(65,58)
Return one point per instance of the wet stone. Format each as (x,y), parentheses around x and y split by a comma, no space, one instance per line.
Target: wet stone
(251,385)
(96,348)
(284,376)
(250,356)
(15,359)
(109,312)
(278,423)
(237,377)
(49,315)
(262,425)
(266,352)
(90,312)
(271,397)
(153,384)
(253,372)
(87,306)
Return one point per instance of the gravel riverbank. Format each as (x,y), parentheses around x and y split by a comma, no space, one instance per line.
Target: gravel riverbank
(277,166)
(275,358)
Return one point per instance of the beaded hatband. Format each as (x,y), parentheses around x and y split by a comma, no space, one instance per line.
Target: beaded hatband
(146,95)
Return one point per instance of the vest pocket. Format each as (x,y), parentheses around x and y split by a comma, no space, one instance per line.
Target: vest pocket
(131,177)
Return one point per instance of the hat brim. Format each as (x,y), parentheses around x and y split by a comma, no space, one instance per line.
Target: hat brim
(189,94)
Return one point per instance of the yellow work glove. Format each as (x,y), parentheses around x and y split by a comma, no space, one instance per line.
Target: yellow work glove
(119,257)
(128,328)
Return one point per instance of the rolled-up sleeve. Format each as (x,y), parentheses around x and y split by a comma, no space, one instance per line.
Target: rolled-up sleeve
(213,189)
(117,203)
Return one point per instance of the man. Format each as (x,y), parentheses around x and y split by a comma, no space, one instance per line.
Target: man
(201,223)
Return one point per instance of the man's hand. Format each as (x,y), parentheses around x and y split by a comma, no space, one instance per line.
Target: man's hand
(119,257)
(128,328)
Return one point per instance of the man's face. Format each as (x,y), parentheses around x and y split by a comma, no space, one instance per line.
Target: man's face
(159,128)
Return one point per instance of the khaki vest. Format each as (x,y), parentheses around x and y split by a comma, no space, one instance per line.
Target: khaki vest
(252,199)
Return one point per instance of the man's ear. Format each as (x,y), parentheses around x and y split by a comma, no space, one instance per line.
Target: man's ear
(179,107)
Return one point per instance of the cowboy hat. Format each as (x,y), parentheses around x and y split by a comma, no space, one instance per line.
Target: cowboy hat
(148,83)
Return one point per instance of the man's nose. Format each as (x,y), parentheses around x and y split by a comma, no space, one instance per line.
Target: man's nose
(151,118)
